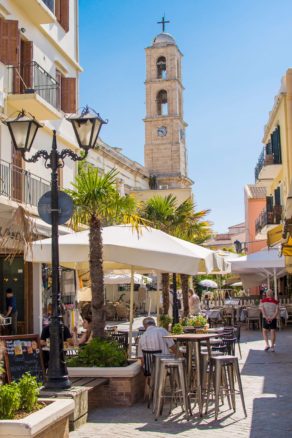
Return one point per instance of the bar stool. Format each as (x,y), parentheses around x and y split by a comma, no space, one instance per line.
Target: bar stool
(218,368)
(174,369)
(155,374)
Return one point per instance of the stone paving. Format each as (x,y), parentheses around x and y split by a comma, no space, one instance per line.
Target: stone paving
(267,382)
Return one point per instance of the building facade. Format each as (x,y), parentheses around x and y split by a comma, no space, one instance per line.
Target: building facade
(39,70)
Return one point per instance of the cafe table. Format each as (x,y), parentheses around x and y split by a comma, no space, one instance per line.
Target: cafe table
(193,341)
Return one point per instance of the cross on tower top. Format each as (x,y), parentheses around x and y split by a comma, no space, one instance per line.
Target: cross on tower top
(163,22)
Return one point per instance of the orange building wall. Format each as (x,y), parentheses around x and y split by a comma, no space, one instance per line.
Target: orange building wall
(252,211)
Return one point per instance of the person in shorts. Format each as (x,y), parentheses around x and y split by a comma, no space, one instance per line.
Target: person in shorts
(270,310)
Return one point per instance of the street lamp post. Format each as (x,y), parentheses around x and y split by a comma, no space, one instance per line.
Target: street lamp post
(23,130)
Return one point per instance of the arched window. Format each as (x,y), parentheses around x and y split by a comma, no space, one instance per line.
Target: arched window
(161,67)
(162,106)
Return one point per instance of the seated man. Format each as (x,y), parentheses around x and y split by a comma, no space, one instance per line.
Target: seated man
(153,339)
(46,335)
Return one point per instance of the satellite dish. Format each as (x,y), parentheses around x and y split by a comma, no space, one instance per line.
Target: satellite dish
(65,207)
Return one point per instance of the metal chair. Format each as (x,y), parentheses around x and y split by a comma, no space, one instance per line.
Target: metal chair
(148,359)
(254,317)
(122,338)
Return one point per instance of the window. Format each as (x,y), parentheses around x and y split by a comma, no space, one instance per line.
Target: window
(161,67)
(162,106)
(49,4)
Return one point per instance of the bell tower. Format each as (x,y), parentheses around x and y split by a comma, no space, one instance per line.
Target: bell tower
(165,150)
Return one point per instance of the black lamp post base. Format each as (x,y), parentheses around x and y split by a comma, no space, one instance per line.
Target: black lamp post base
(58,383)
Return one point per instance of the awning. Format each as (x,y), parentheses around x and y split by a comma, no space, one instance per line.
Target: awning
(287,247)
(274,236)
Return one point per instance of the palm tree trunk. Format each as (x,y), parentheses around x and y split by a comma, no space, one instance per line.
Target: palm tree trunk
(165,292)
(185,292)
(96,276)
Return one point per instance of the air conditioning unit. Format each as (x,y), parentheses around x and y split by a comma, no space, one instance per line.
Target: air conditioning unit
(163,187)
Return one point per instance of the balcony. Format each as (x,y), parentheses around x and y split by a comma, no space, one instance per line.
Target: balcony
(267,167)
(39,11)
(268,220)
(31,88)
(20,185)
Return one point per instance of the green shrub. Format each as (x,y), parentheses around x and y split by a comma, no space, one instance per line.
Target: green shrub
(177,329)
(9,400)
(29,391)
(99,353)
(164,321)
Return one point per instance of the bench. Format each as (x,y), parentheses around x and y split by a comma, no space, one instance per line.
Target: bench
(88,382)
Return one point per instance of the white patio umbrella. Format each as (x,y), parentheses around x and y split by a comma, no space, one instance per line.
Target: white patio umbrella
(259,264)
(123,247)
(125,278)
(208,283)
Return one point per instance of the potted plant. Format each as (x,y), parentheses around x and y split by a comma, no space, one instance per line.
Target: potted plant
(177,329)
(165,321)
(123,380)
(23,414)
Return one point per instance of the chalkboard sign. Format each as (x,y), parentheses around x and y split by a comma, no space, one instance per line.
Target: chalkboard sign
(22,354)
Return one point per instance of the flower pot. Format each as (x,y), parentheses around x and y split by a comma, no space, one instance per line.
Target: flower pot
(52,421)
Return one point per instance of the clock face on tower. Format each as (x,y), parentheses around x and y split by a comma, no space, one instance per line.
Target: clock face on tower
(162,131)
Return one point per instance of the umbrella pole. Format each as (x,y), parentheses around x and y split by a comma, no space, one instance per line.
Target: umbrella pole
(268,282)
(131,312)
(275,284)
(158,295)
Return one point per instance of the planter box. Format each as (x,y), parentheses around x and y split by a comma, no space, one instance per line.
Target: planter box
(125,386)
(50,422)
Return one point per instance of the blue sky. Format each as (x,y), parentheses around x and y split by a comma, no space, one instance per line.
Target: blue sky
(235,53)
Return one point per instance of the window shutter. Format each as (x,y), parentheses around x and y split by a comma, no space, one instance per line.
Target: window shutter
(62,13)
(277,194)
(58,10)
(276,146)
(269,203)
(26,63)
(68,95)
(65,15)
(9,42)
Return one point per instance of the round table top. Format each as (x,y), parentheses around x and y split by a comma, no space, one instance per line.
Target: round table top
(192,336)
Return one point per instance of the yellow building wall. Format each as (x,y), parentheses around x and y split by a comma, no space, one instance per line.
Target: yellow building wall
(180,194)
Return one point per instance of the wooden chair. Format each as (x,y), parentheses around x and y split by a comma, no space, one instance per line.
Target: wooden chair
(254,317)
(110,312)
(289,311)
(123,312)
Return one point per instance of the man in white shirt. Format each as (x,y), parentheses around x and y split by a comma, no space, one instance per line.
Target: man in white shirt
(153,338)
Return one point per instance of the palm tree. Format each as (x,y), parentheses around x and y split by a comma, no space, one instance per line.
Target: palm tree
(98,203)
(180,221)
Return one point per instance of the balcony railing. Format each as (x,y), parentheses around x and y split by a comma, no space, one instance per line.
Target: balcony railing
(50,4)
(20,185)
(272,217)
(30,78)
(266,158)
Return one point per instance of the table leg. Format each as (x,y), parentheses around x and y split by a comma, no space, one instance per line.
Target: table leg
(198,377)
(189,363)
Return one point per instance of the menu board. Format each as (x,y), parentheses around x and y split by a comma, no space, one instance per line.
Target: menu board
(22,354)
